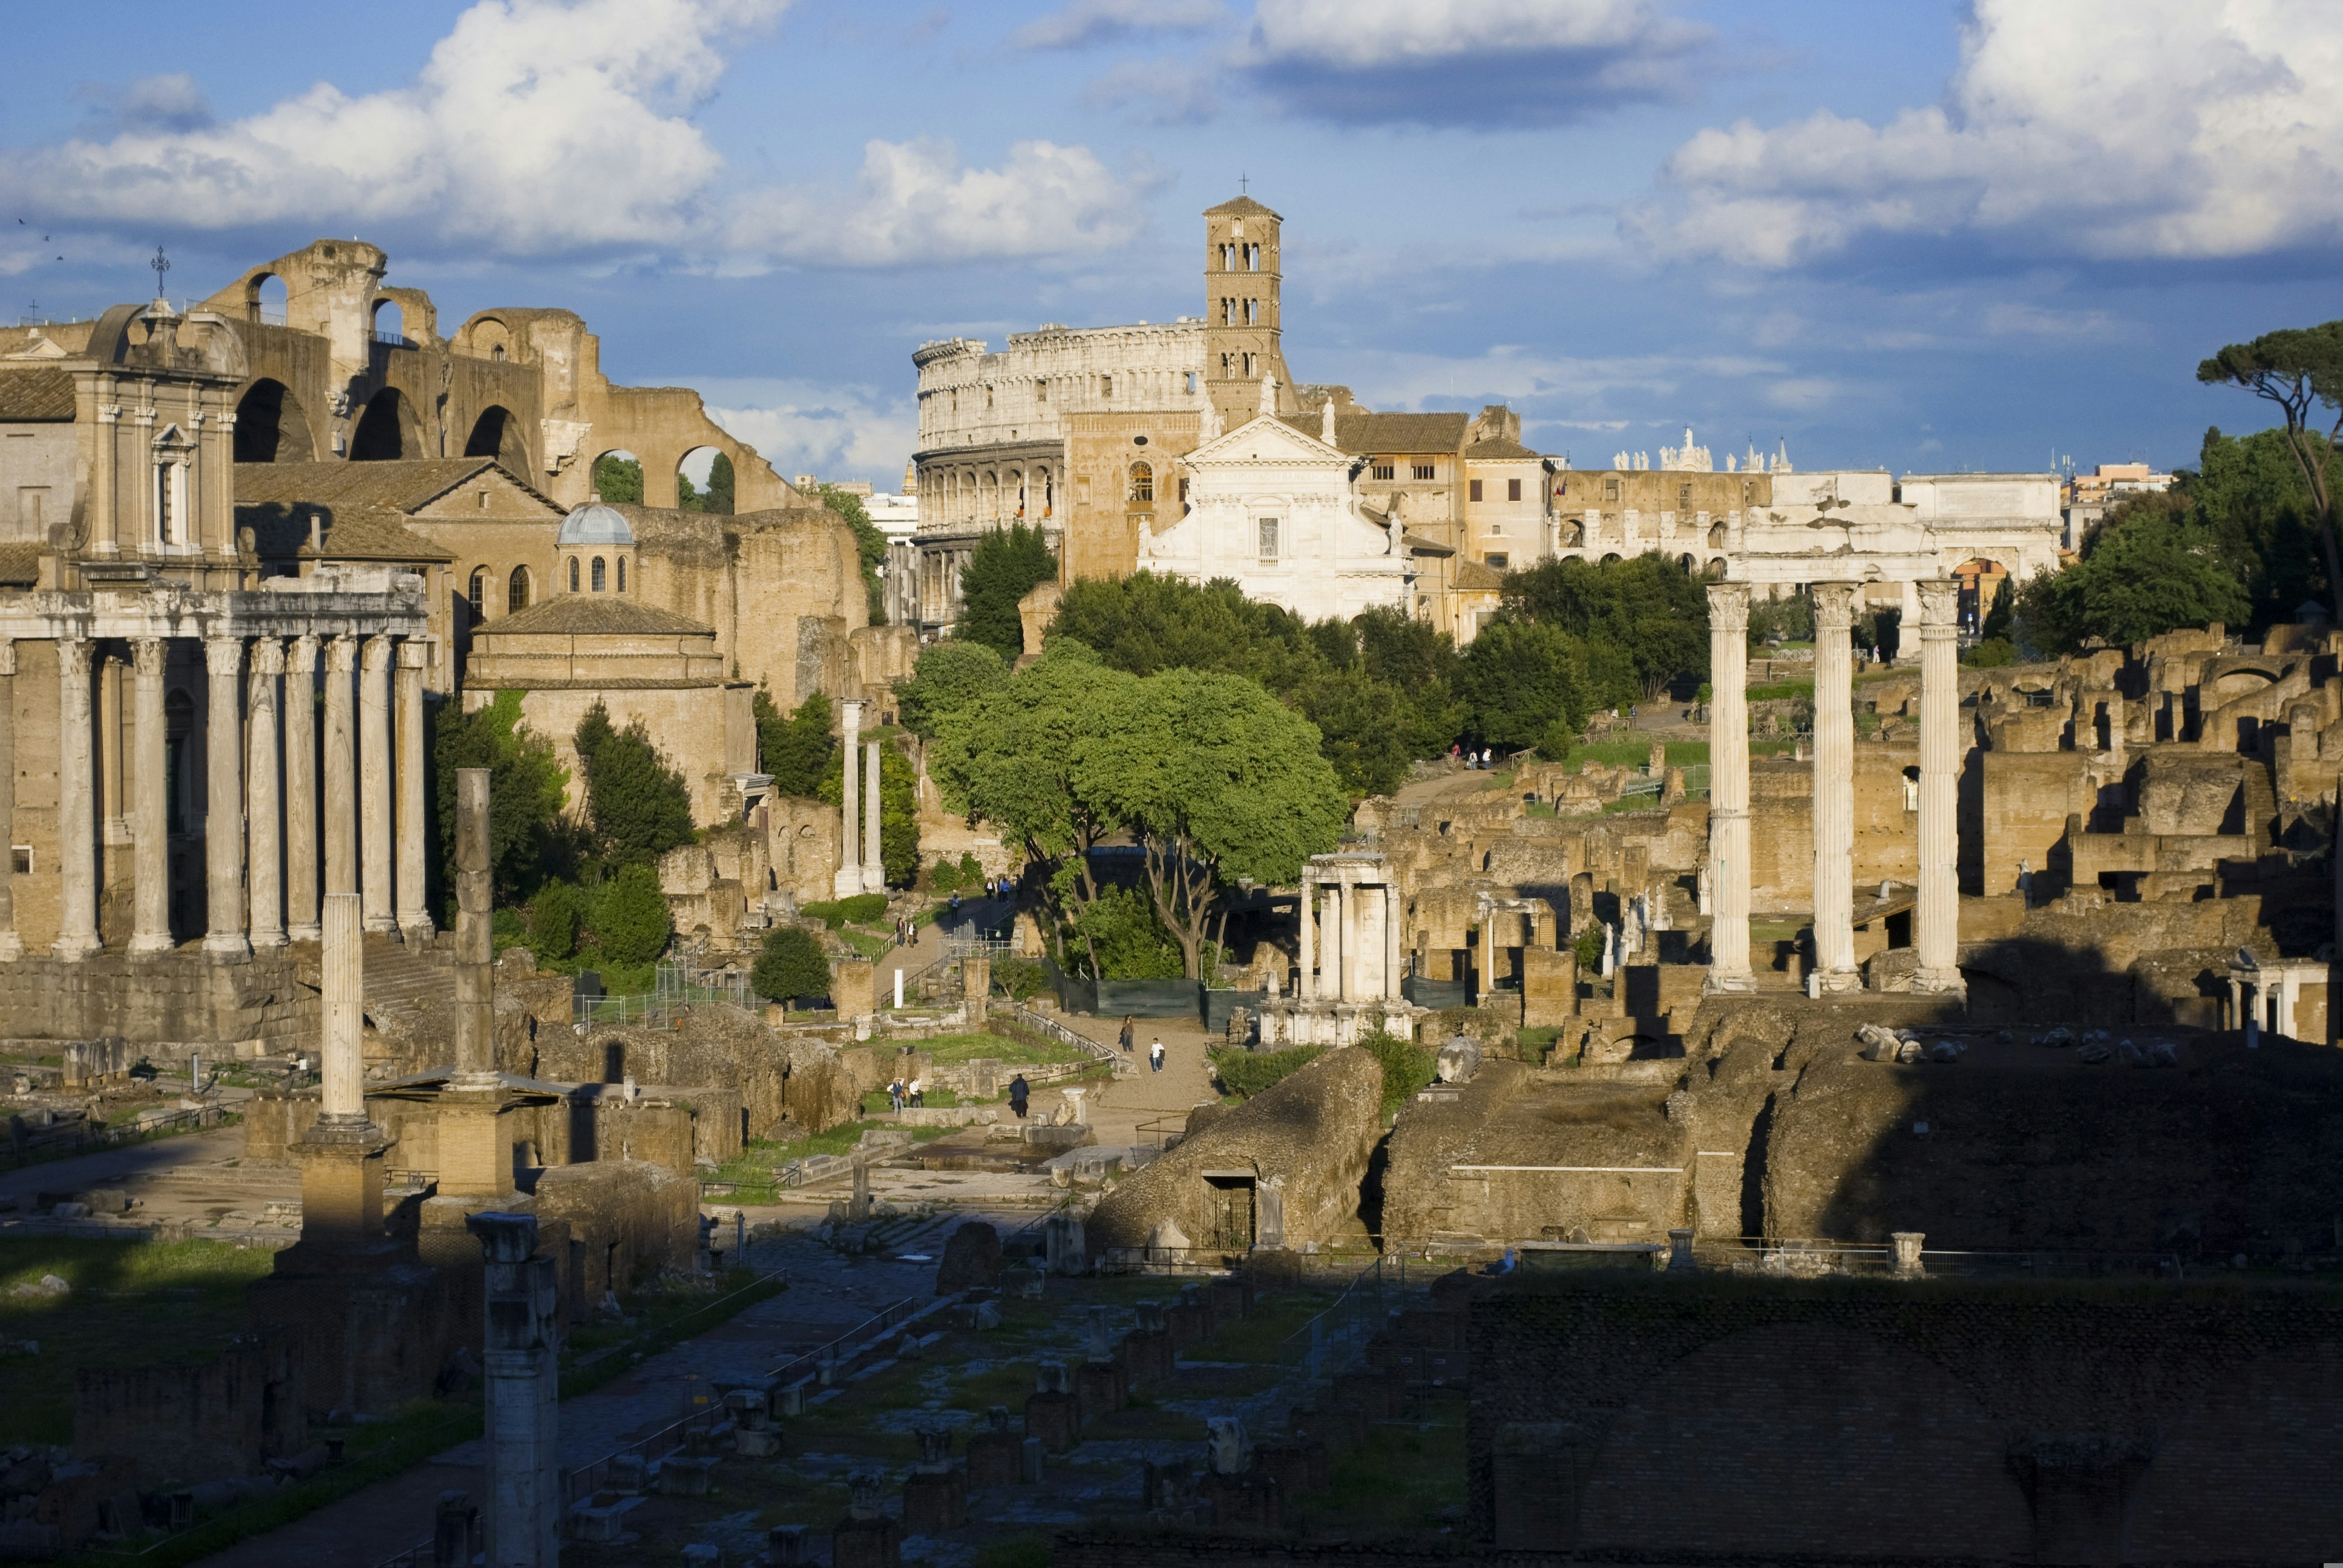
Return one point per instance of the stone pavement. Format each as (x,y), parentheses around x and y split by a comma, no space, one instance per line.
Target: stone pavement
(198,1180)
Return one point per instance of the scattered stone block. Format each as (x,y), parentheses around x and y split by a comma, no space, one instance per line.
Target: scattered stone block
(972,1260)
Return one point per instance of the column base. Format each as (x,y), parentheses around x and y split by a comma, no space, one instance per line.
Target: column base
(146,944)
(1834,982)
(268,940)
(847,882)
(379,923)
(417,929)
(1939,982)
(874,880)
(1718,984)
(73,950)
(226,945)
(305,933)
(12,946)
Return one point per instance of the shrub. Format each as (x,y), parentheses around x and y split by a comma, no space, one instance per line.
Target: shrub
(791,964)
(631,917)
(1245,1073)
(862,908)
(1588,945)
(554,917)
(640,808)
(1022,979)
(1407,1067)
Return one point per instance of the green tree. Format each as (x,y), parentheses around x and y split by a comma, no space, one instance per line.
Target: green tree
(554,916)
(718,499)
(638,806)
(2297,369)
(526,790)
(630,917)
(899,811)
(1121,928)
(2250,494)
(1006,565)
(869,544)
(2149,570)
(947,676)
(617,478)
(795,750)
(1522,677)
(790,965)
(1649,608)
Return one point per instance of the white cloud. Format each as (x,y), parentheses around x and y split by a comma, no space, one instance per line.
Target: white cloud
(917,203)
(543,128)
(2108,128)
(837,433)
(1495,62)
(1085,22)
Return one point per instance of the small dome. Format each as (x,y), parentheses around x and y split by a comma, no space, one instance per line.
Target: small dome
(595,524)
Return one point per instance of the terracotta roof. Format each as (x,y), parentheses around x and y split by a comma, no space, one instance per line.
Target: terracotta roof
(42,393)
(1396,433)
(20,565)
(594,615)
(1240,206)
(1417,545)
(406,485)
(1476,575)
(352,533)
(1496,447)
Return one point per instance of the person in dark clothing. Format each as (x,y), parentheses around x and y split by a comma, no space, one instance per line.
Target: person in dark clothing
(1018,1094)
(1126,1034)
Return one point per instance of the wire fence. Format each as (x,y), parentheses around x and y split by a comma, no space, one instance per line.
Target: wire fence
(675,990)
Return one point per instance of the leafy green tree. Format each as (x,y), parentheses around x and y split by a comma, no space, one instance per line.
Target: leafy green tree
(1006,565)
(554,916)
(798,750)
(631,916)
(947,676)
(619,479)
(2149,570)
(1121,928)
(1790,617)
(899,811)
(1648,607)
(718,499)
(1521,677)
(869,544)
(638,806)
(790,965)
(2297,369)
(2249,493)
(526,789)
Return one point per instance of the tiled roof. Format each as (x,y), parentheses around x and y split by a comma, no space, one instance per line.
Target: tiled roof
(405,485)
(1476,575)
(594,615)
(42,393)
(1396,433)
(20,565)
(1240,206)
(1498,447)
(353,532)
(1417,545)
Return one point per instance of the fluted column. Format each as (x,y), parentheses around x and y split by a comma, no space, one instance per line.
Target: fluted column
(1935,922)
(224,800)
(150,784)
(1728,788)
(339,797)
(874,862)
(374,784)
(77,806)
(414,914)
(1834,969)
(262,811)
(1391,946)
(12,946)
(1338,946)
(300,711)
(850,866)
(342,988)
(1306,946)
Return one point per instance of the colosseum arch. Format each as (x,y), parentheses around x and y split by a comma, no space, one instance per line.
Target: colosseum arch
(265,297)
(497,434)
(389,429)
(271,426)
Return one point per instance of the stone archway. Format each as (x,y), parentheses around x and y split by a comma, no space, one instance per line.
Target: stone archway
(271,426)
(497,434)
(388,430)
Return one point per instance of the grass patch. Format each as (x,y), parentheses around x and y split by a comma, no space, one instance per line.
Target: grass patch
(1400,1481)
(1783,690)
(1261,1333)
(172,1301)
(1008,1050)
(1634,753)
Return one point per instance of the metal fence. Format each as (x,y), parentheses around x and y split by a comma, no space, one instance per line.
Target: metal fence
(1020,1016)
(857,1338)
(675,990)
(1335,1337)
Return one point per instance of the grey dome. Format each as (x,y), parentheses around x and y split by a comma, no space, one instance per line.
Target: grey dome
(595,524)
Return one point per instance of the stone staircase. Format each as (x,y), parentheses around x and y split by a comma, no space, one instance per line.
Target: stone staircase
(399,978)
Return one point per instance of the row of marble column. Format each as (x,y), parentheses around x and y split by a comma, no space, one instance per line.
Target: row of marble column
(1936,915)
(1331,927)
(276,834)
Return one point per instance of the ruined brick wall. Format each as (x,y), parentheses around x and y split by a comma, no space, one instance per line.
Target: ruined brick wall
(194,1421)
(1713,1418)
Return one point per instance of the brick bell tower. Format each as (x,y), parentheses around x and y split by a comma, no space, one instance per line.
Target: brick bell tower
(1242,323)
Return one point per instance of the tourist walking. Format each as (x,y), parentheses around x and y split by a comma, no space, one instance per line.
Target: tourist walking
(919,1091)
(895,1095)
(1126,1034)
(1018,1094)
(1155,1057)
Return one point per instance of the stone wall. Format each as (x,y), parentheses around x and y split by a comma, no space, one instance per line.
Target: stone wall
(192,1422)
(1919,1424)
(165,1006)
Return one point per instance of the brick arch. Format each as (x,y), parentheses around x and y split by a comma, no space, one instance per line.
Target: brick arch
(1794,1438)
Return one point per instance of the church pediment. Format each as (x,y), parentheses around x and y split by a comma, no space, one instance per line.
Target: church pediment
(1267,439)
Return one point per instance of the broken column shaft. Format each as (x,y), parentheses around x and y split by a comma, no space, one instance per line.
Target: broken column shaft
(520,1354)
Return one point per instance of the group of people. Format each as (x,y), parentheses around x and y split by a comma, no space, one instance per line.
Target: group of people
(1481,760)
(899,1094)
(1154,1049)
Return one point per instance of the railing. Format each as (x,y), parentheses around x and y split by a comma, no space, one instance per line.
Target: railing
(1320,1347)
(677,988)
(1024,1017)
(806,1365)
(393,339)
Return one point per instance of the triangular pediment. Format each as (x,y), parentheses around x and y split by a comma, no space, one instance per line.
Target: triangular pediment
(1269,439)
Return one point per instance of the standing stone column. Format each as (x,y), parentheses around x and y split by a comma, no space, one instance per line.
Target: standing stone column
(77,806)
(374,788)
(475,1055)
(340,800)
(150,779)
(849,865)
(224,800)
(342,999)
(12,946)
(1392,944)
(520,1356)
(263,815)
(1834,969)
(1338,947)
(1305,979)
(300,711)
(1935,921)
(874,862)
(342,1153)
(1728,788)
(413,915)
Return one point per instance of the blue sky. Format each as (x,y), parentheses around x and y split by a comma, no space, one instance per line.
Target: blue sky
(1915,235)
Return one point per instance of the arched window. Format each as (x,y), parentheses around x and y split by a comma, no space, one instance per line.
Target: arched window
(1142,484)
(480,593)
(622,574)
(573,574)
(517,590)
(598,570)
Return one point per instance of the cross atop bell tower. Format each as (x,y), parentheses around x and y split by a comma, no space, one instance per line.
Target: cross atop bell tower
(1242,323)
